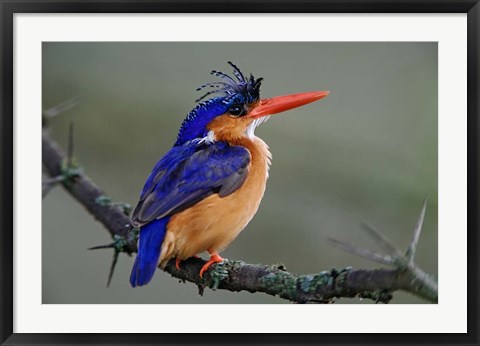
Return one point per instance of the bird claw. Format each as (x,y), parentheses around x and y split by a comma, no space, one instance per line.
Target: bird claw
(214,258)
(177,263)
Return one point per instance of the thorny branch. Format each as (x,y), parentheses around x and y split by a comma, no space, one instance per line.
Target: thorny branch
(323,287)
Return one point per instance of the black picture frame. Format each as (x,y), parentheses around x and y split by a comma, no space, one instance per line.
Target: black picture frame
(9,8)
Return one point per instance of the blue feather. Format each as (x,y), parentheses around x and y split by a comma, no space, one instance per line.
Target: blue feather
(195,124)
(149,247)
(189,173)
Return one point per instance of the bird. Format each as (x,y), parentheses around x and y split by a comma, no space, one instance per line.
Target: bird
(205,190)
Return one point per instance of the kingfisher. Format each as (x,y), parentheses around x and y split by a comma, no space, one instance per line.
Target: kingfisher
(205,190)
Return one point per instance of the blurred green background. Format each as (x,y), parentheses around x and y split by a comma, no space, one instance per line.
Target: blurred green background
(366,152)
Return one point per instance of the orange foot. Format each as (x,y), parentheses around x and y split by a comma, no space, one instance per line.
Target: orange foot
(214,258)
(177,263)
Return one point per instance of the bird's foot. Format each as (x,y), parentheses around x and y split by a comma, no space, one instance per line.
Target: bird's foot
(214,258)
(177,263)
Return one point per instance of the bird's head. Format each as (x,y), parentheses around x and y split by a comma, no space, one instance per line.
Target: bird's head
(237,110)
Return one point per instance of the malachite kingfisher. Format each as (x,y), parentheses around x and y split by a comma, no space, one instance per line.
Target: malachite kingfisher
(209,185)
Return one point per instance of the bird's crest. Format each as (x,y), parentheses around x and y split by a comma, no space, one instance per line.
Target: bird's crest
(228,91)
(248,88)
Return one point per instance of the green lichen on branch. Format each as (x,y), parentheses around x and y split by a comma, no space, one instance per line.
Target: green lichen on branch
(377,296)
(323,287)
(69,172)
(279,283)
(105,201)
(218,274)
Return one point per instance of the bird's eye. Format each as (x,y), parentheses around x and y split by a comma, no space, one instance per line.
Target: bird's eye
(236,110)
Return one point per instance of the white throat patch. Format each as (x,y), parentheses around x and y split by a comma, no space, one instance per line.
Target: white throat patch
(250,132)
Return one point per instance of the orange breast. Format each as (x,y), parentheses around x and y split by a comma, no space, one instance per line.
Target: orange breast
(213,223)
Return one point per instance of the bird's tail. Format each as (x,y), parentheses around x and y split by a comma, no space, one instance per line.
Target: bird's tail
(149,247)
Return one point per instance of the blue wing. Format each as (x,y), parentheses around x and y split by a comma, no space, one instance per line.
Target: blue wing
(188,174)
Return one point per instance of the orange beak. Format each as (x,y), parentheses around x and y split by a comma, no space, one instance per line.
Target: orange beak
(280,104)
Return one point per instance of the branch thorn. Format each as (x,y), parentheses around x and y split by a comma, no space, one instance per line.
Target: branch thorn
(410,253)
(382,240)
(361,252)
